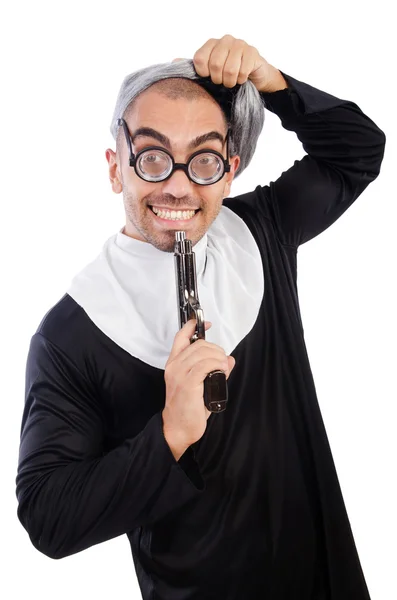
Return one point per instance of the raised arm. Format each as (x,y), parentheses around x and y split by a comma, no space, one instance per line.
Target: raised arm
(344,147)
(71,494)
(344,154)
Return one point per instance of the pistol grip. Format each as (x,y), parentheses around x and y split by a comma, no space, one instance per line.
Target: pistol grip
(215,391)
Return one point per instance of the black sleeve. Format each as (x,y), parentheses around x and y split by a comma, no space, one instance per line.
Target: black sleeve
(71,495)
(344,153)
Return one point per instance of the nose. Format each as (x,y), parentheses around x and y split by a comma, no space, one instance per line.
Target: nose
(178,185)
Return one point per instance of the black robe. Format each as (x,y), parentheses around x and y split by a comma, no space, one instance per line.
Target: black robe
(254,508)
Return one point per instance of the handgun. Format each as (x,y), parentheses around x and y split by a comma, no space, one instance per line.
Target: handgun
(215,384)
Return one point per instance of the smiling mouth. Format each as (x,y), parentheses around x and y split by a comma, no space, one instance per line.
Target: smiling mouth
(174,215)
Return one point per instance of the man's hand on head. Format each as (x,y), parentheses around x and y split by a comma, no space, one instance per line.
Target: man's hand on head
(230,61)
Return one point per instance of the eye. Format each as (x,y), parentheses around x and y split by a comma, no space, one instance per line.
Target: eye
(151,158)
(205,160)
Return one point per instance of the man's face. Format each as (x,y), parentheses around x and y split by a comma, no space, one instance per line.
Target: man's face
(181,121)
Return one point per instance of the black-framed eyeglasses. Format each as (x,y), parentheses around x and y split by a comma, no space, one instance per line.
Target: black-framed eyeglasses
(155,164)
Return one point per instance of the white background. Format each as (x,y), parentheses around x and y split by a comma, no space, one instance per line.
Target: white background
(61,68)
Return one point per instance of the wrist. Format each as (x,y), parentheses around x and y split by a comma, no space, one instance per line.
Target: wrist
(174,440)
(273,84)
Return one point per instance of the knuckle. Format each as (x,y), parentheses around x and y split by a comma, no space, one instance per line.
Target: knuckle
(200,343)
(172,367)
(168,374)
(204,352)
(216,66)
(216,347)
(198,58)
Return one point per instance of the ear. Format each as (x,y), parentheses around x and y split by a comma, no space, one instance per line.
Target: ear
(234,162)
(114,172)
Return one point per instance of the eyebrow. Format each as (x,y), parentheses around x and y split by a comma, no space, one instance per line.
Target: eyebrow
(163,139)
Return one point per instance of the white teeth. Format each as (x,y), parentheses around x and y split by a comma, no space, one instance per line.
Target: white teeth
(174,215)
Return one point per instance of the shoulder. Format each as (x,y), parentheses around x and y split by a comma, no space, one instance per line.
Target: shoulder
(67,327)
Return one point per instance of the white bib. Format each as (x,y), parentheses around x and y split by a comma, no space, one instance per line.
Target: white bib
(129,290)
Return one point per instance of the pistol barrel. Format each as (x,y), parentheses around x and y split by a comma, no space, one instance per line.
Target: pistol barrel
(215,384)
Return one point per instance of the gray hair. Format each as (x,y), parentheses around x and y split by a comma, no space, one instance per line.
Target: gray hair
(242,105)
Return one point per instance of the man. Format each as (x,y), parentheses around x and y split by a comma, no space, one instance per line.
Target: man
(115,437)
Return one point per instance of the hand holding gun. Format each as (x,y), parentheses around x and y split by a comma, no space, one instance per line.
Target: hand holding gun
(215,384)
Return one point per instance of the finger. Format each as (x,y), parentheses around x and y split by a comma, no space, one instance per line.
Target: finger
(182,338)
(218,59)
(199,370)
(201,350)
(178,59)
(248,60)
(232,362)
(202,56)
(231,68)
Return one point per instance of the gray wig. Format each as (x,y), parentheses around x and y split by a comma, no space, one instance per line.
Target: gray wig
(242,104)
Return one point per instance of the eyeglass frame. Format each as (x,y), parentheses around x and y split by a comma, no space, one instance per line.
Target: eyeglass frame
(133,159)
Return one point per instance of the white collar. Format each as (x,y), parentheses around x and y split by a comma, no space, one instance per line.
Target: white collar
(129,290)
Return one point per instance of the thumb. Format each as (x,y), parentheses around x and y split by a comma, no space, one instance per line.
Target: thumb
(183,336)
(231,361)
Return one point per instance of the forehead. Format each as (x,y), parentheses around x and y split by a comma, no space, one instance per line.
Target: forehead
(178,118)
